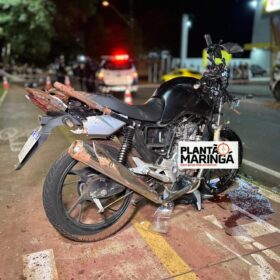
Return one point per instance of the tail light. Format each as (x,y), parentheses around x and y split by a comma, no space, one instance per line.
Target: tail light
(100,76)
(135,77)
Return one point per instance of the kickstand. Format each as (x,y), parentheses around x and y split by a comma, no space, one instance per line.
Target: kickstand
(197,200)
(193,198)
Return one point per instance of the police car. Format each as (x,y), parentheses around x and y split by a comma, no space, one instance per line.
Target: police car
(116,73)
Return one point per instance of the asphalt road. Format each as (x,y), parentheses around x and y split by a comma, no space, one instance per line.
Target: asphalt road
(235,236)
(257,125)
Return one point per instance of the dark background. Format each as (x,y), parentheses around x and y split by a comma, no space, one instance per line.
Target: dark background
(159,22)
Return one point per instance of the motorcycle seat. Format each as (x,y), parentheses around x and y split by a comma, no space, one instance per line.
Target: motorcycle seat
(150,111)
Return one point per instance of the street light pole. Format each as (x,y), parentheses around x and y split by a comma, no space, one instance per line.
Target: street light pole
(186,24)
(120,15)
(129,21)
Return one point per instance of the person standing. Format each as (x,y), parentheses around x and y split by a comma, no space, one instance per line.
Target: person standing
(61,70)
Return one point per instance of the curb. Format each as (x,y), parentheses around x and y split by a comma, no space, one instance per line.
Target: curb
(149,85)
(261,175)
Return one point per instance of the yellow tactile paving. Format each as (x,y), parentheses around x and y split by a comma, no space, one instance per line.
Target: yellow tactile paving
(165,253)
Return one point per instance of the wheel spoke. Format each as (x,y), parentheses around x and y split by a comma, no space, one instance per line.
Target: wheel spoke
(76,203)
(111,209)
(72,182)
(80,212)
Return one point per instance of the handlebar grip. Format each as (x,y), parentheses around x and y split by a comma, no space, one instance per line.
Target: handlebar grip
(208,39)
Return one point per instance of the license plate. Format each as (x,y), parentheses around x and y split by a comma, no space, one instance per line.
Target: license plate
(29,144)
(118,88)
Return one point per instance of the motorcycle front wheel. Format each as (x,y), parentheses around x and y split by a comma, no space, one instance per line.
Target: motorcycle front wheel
(79,219)
(219,180)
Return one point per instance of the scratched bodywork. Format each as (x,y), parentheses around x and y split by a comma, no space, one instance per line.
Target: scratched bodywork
(55,99)
(99,159)
(45,101)
(59,95)
(82,96)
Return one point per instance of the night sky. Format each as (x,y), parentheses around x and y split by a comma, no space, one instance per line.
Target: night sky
(160,22)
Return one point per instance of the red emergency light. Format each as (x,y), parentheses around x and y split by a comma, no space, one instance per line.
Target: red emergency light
(121,57)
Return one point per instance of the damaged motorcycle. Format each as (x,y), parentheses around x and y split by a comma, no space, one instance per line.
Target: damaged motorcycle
(131,151)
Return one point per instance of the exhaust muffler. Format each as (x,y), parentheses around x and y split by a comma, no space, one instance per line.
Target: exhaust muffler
(98,158)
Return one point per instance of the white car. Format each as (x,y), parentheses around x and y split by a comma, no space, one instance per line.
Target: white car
(116,73)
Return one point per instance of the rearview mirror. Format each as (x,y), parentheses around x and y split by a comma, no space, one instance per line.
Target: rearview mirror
(232,48)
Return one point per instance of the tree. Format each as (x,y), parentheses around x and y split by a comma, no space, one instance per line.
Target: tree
(27,28)
(71,26)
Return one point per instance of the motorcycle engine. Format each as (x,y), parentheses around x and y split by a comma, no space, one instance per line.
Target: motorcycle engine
(185,131)
(164,140)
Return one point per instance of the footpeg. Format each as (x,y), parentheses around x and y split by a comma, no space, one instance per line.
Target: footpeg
(193,198)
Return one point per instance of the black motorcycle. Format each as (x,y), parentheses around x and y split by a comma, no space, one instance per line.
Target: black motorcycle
(131,153)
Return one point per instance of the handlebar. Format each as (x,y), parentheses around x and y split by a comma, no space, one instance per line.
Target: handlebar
(208,40)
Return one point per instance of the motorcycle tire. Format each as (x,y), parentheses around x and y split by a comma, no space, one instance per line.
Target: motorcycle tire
(276,92)
(63,223)
(206,188)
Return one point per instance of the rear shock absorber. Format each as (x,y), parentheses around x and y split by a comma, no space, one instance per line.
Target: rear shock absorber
(126,145)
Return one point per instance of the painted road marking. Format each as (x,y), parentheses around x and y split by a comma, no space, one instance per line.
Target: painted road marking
(261,168)
(213,220)
(272,255)
(263,270)
(175,265)
(268,226)
(212,238)
(255,229)
(40,265)
(2,98)
(12,135)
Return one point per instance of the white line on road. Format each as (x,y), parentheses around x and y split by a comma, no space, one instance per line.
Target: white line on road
(3,97)
(212,238)
(268,226)
(263,270)
(261,168)
(254,229)
(213,220)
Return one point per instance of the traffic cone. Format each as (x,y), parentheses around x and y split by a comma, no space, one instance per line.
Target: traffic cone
(67,81)
(48,83)
(6,84)
(128,96)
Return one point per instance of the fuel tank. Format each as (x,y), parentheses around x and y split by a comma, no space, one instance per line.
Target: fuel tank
(180,98)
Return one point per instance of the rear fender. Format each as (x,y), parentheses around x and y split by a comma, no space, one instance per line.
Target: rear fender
(47,124)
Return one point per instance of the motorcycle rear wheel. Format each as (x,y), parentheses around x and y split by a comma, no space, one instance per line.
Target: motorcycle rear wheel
(57,209)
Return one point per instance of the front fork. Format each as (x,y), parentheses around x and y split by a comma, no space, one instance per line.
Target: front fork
(217,127)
